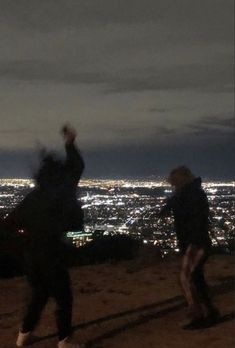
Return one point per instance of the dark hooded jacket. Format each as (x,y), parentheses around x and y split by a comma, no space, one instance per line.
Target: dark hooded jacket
(50,210)
(191,215)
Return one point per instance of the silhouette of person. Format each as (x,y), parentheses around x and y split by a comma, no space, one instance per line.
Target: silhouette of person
(190,209)
(45,215)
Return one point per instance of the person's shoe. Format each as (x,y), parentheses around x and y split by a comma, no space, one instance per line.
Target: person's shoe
(66,343)
(23,339)
(195,324)
(212,317)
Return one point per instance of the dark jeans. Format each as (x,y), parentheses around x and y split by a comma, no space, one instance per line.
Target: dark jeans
(45,283)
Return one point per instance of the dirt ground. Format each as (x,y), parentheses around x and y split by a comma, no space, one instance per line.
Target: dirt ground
(134,304)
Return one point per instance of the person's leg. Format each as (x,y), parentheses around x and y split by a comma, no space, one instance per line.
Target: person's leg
(200,282)
(39,296)
(203,290)
(37,302)
(61,292)
(191,259)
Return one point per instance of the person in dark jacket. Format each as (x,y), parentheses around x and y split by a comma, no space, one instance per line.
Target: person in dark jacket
(44,215)
(190,209)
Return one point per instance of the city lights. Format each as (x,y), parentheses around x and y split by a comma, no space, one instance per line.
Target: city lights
(130,207)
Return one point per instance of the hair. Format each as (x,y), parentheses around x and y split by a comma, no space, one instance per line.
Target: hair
(50,170)
(180,177)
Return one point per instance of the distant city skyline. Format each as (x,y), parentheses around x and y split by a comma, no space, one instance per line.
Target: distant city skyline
(148,85)
(129,207)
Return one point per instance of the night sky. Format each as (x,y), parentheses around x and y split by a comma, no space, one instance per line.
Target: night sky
(147,84)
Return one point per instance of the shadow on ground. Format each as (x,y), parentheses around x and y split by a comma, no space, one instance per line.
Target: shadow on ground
(146,314)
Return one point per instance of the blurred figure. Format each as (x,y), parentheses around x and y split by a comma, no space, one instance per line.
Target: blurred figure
(190,208)
(45,214)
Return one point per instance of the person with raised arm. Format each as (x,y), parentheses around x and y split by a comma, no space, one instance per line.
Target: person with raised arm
(44,216)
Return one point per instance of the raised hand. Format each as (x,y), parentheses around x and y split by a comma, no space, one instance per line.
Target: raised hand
(69,133)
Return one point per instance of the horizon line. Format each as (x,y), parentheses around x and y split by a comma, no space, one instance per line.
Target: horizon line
(140,179)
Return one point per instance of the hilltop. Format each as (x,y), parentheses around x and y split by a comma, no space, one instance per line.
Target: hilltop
(134,304)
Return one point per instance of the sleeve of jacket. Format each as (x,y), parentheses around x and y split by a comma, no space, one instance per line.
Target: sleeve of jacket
(172,203)
(74,161)
(15,220)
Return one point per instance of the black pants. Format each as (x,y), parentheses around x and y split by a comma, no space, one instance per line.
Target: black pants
(45,283)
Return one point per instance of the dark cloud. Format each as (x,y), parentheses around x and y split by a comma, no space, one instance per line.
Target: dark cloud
(16,163)
(218,125)
(178,21)
(211,159)
(151,133)
(194,76)
(158,110)
(19,131)
(201,130)
(42,71)
(168,110)
(228,121)
(139,79)
(178,77)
